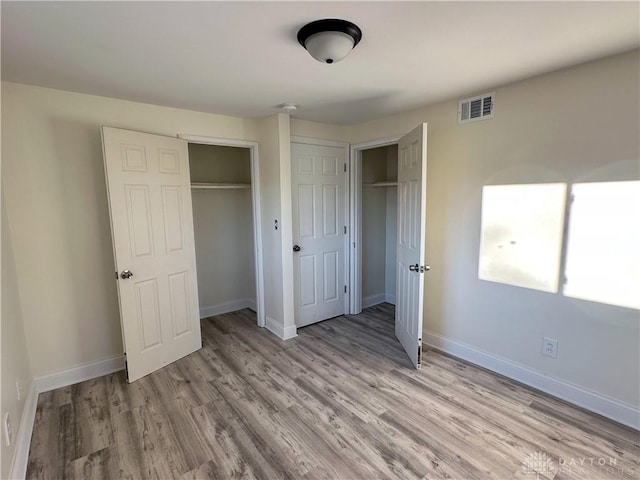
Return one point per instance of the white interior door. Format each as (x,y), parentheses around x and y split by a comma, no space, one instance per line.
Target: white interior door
(319,231)
(152,229)
(412,196)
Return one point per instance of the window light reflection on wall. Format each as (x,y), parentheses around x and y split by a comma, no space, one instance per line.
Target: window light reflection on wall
(522,236)
(603,244)
(521,239)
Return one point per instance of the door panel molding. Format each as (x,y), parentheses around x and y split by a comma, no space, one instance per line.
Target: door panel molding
(326,225)
(149,192)
(412,196)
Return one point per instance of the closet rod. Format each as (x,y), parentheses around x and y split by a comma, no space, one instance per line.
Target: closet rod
(220,186)
(381,184)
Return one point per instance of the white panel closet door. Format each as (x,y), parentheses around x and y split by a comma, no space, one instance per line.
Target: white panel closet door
(152,229)
(412,196)
(319,196)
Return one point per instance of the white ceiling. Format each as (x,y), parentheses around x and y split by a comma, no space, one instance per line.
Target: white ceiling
(242,58)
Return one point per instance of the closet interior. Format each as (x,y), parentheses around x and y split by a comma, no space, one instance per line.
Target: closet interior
(379,224)
(223,227)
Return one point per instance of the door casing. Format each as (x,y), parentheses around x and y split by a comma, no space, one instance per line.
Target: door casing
(257,216)
(355,219)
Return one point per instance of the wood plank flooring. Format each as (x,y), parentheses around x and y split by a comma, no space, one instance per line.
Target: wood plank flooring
(340,401)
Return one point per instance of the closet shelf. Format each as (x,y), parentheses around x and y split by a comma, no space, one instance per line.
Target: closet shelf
(382,184)
(220,186)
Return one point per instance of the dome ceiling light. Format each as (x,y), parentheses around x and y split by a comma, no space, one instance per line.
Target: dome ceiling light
(288,107)
(329,40)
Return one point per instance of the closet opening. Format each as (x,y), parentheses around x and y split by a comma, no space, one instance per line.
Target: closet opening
(226,217)
(374,221)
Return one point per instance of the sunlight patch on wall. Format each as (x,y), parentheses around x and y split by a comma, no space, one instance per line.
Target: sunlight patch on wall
(603,247)
(521,234)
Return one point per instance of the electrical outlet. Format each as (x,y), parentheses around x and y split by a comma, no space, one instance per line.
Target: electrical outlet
(19,389)
(7,429)
(550,347)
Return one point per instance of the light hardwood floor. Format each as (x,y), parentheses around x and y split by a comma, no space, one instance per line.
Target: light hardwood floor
(339,401)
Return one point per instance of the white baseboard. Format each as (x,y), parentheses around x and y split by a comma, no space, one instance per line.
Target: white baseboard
(79,374)
(378,298)
(372,300)
(284,333)
(46,383)
(23,439)
(607,407)
(219,309)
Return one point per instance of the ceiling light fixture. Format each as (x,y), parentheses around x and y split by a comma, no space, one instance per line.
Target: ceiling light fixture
(329,40)
(288,107)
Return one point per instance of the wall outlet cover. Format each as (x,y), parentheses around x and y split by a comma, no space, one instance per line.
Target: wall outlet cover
(550,347)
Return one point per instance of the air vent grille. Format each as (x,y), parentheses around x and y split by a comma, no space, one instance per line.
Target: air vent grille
(476,108)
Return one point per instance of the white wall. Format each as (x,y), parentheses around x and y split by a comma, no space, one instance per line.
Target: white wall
(574,125)
(57,211)
(275,182)
(322,131)
(578,124)
(15,360)
(374,226)
(223,228)
(379,225)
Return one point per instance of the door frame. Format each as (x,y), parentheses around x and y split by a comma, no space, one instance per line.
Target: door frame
(347,238)
(355,219)
(257,212)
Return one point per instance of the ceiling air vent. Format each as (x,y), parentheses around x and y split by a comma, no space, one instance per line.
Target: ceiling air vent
(476,108)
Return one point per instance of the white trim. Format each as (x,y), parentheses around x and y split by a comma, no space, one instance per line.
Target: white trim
(284,333)
(78,374)
(45,383)
(390,298)
(595,402)
(320,141)
(23,439)
(219,309)
(382,142)
(257,209)
(355,224)
(222,142)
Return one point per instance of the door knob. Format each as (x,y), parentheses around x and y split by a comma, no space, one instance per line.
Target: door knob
(126,274)
(419,269)
(296,248)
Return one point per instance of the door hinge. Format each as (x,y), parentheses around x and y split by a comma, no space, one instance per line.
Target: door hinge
(345,229)
(419,351)
(126,367)
(345,289)
(116,275)
(345,166)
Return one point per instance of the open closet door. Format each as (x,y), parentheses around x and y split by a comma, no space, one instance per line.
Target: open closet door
(149,193)
(412,196)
